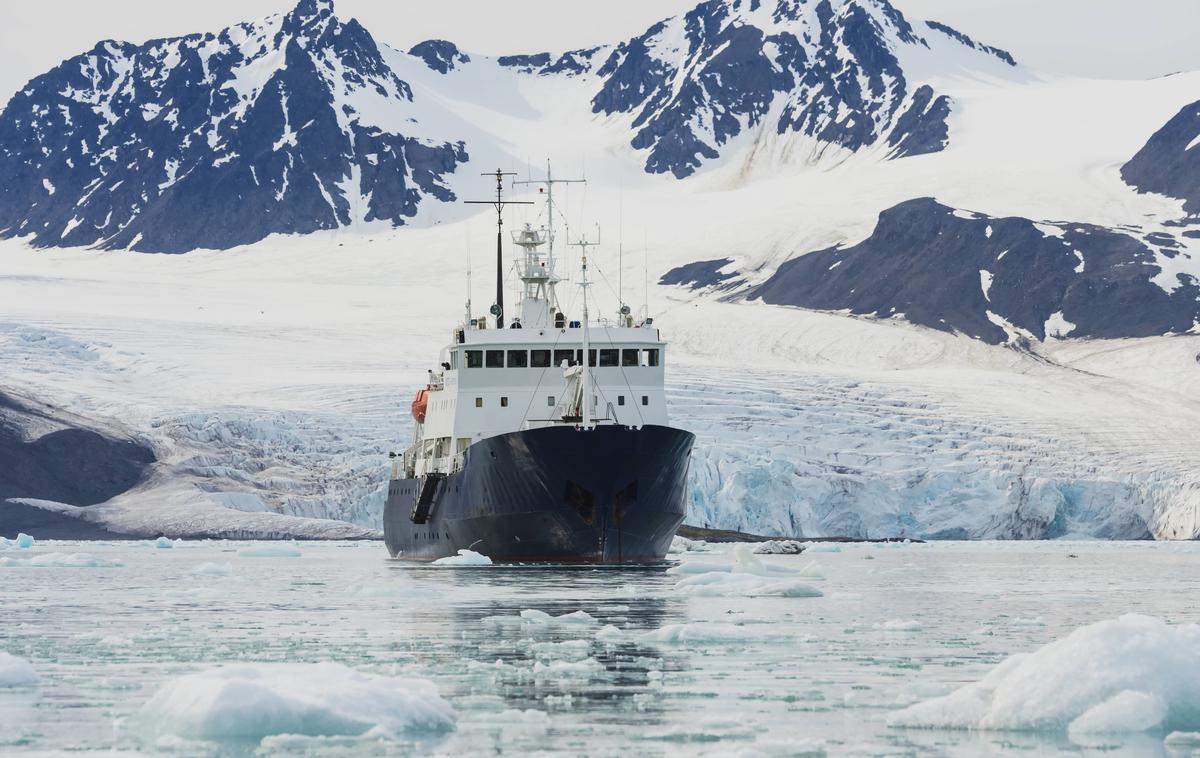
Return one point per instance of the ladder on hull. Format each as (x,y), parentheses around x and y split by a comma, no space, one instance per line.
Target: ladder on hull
(425,495)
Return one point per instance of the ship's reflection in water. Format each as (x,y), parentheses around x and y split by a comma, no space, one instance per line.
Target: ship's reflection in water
(560,637)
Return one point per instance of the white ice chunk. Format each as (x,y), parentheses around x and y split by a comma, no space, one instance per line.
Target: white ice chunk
(24,541)
(209,568)
(898,625)
(164,543)
(714,632)
(1128,711)
(1183,739)
(1111,675)
(252,701)
(560,670)
(720,584)
(779,547)
(59,560)
(464,558)
(684,545)
(16,672)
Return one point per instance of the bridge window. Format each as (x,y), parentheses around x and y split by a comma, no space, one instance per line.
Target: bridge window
(550,400)
(503,402)
(564,355)
(539,358)
(620,400)
(609,357)
(645,400)
(518,359)
(591,357)
(474,359)
(478,402)
(494,359)
(650,357)
(629,357)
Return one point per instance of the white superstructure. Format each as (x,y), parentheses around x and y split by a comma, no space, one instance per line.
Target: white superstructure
(496,381)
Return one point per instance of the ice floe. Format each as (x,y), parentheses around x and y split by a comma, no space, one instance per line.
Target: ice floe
(720,584)
(209,568)
(253,701)
(714,632)
(585,668)
(464,558)
(898,625)
(1134,673)
(779,547)
(24,541)
(16,672)
(747,575)
(164,543)
(684,545)
(59,560)
(532,620)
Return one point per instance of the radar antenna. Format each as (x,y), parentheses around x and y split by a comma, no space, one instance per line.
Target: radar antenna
(547,185)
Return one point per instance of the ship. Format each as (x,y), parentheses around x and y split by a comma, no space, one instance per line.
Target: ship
(543,439)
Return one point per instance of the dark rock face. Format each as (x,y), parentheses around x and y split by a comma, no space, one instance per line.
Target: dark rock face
(699,274)
(215,140)
(1169,163)
(835,69)
(924,261)
(71,465)
(440,55)
(964,39)
(570,63)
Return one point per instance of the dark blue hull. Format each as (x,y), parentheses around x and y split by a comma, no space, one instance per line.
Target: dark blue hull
(608,495)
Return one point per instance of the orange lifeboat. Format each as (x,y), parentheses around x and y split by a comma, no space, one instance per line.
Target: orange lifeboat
(419,405)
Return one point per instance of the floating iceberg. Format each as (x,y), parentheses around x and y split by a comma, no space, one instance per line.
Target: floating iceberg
(720,584)
(684,545)
(779,547)
(464,558)
(253,701)
(164,543)
(16,672)
(24,541)
(1135,673)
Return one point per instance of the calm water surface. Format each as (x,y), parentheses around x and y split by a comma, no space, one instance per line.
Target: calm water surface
(803,676)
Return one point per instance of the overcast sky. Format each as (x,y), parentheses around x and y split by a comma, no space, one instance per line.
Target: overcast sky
(1107,38)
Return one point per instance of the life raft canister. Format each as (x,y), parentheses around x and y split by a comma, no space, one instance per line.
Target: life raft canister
(419,405)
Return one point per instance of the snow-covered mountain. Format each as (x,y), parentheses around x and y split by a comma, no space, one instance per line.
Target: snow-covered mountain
(302,122)
(1169,163)
(1000,280)
(830,71)
(288,125)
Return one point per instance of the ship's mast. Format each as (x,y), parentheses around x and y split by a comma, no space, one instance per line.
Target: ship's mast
(498,307)
(548,185)
(584,244)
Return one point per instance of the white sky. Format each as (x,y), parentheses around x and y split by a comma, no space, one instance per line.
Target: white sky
(1105,38)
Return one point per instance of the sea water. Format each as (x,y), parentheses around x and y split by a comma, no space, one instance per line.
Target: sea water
(233,648)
